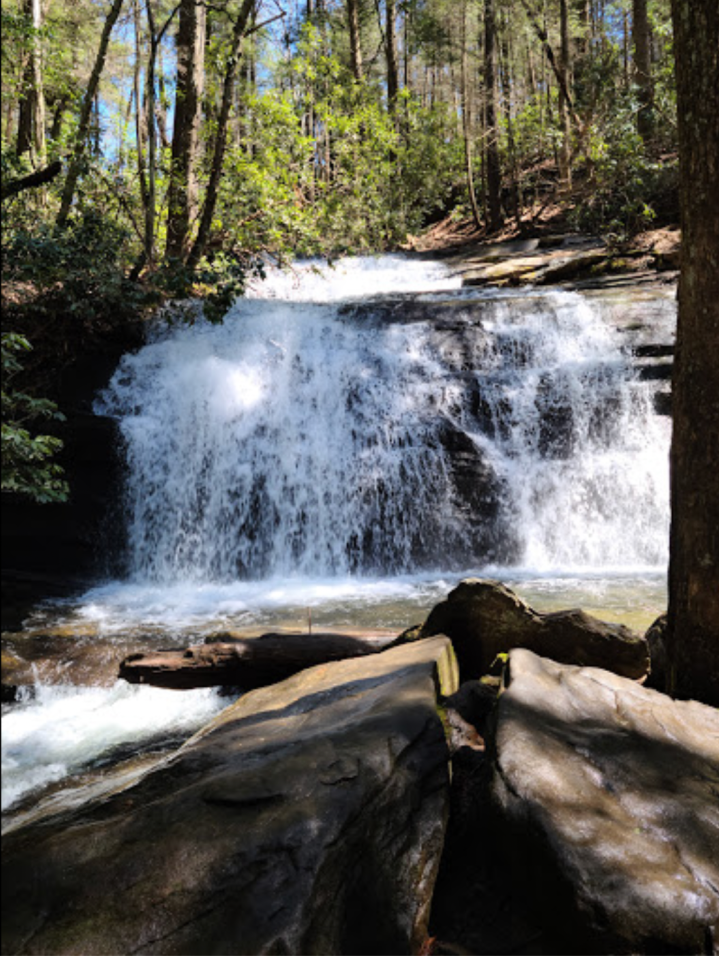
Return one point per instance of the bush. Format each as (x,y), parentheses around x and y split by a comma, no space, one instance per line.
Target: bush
(27,468)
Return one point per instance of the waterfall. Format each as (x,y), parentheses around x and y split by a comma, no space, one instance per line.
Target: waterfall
(318,433)
(353,442)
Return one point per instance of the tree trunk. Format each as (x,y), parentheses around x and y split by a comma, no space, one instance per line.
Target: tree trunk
(494,175)
(254,662)
(641,37)
(182,197)
(213,186)
(31,119)
(506,85)
(693,625)
(355,39)
(151,134)
(73,174)
(581,50)
(565,170)
(140,124)
(155,39)
(391,51)
(467,125)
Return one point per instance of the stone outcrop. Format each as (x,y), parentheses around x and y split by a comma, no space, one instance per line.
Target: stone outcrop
(609,796)
(484,618)
(656,639)
(308,817)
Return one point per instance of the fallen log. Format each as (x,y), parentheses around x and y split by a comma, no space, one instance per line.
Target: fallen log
(245,663)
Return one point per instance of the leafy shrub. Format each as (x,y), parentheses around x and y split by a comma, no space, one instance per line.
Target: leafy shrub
(27,468)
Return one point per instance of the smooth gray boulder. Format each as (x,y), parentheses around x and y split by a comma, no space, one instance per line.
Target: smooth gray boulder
(308,817)
(610,795)
(484,618)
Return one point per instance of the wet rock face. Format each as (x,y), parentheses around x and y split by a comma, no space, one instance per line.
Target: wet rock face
(481,501)
(609,794)
(484,618)
(306,818)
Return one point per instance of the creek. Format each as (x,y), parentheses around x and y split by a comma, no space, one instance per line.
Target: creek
(343,449)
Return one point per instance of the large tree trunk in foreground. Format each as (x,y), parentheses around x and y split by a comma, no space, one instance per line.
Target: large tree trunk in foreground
(251,663)
(693,633)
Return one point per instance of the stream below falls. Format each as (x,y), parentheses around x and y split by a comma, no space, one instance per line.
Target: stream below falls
(338,454)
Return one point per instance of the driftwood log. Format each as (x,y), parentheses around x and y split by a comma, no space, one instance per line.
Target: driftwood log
(246,663)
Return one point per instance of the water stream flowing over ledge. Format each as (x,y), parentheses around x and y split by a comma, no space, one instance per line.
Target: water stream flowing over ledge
(355,442)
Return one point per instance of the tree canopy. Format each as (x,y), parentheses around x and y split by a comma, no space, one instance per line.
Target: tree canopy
(165,148)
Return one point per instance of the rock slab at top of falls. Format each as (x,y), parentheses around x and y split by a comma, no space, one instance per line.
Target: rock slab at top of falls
(610,792)
(308,817)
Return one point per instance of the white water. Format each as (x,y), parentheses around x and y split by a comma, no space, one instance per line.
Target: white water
(295,441)
(63,728)
(294,458)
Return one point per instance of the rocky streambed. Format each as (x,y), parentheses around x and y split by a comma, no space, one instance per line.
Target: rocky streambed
(494,780)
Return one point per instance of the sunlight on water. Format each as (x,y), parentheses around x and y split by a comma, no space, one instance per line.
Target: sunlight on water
(62,728)
(353,277)
(297,467)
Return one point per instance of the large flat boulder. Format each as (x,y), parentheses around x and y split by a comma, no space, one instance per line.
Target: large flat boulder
(484,618)
(308,817)
(611,793)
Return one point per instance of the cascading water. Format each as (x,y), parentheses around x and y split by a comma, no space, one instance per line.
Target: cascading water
(327,439)
(354,443)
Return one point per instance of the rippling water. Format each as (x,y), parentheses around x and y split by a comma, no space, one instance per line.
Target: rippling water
(291,469)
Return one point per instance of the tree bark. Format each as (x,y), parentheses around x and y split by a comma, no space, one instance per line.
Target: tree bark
(492,166)
(31,119)
(182,197)
(140,124)
(565,153)
(213,186)
(641,37)
(467,125)
(355,39)
(38,178)
(693,622)
(73,174)
(391,51)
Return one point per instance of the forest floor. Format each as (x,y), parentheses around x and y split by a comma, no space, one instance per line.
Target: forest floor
(453,236)
(543,248)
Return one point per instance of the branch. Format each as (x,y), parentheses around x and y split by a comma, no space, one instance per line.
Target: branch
(544,40)
(265,23)
(38,178)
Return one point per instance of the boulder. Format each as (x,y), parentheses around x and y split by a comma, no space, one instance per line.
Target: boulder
(484,618)
(308,817)
(609,796)
(656,637)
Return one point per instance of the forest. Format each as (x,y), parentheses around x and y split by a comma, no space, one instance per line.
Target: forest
(159,151)
(204,135)
(360,434)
